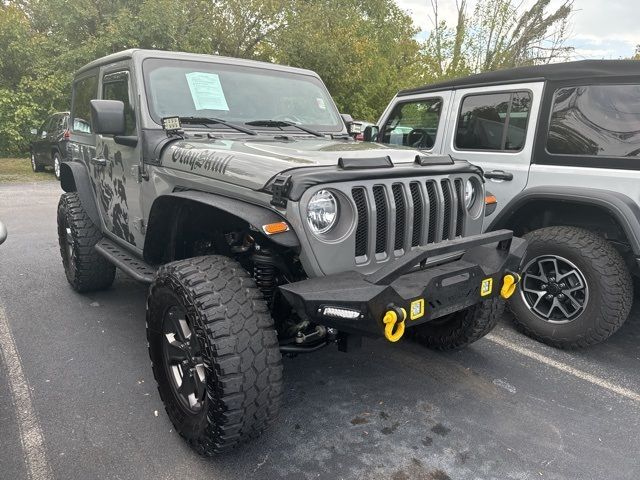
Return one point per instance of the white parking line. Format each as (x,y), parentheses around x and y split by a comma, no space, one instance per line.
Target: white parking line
(599,381)
(30,432)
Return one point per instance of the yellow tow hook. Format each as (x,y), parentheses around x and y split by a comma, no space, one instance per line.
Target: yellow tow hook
(394,323)
(509,283)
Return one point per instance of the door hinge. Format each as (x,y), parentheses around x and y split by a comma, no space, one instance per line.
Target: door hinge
(280,190)
(139,173)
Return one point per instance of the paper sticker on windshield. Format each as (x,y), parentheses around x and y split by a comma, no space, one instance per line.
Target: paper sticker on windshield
(206,91)
(321,103)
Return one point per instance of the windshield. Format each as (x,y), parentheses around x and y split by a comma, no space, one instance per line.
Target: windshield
(237,94)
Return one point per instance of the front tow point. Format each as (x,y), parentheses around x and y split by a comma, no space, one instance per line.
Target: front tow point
(509,283)
(394,323)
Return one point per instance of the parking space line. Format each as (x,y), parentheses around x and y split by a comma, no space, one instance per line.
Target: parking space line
(30,431)
(581,374)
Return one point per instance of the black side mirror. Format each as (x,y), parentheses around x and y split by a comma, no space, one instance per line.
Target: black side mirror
(371,133)
(107,117)
(348,120)
(3,233)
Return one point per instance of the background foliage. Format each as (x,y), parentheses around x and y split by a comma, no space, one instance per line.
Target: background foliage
(365,50)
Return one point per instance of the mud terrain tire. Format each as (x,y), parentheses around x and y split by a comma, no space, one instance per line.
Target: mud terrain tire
(225,325)
(460,329)
(86,270)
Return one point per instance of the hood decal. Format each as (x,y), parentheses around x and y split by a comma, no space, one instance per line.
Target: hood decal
(202,159)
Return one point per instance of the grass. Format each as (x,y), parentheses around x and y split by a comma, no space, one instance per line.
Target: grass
(18,170)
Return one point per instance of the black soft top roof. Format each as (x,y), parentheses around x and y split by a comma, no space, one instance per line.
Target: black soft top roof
(583,69)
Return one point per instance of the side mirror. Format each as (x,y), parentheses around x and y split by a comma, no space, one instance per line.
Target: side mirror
(107,117)
(34,131)
(3,233)
(371,133)
(348,120)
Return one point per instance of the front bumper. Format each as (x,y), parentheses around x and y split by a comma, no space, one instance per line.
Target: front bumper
(444,278)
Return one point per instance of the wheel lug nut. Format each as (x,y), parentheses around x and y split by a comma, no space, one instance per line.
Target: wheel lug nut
(561,296)
(563,285)
(544,286)
(552,279)
(548,296)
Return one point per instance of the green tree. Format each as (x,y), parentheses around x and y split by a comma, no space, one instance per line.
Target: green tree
(364,50)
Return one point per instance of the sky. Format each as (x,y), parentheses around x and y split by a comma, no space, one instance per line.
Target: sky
(606,29)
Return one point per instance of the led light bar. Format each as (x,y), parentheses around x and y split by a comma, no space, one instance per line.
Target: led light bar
(339,312)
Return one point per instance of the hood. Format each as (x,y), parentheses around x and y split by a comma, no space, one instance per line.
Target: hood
(253,161)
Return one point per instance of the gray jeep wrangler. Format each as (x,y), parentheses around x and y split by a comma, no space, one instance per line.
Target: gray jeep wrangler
(559,145)
(233,188)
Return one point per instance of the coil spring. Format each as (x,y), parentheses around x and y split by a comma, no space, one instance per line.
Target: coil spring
(264,275)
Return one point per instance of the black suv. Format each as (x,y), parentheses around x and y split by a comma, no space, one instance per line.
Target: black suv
(50,146)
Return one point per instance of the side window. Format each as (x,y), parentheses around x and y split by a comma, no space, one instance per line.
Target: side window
(493,121)
(413,124)
(596,120)
(115,86)
(84,91)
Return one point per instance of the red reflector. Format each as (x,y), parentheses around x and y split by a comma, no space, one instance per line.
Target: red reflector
(66,135)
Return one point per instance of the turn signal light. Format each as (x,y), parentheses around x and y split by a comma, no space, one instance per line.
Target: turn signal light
(490,199)
(273,228)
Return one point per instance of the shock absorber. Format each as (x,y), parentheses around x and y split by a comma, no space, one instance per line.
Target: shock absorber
(265,274)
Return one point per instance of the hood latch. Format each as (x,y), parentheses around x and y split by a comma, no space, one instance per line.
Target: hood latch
(280,190)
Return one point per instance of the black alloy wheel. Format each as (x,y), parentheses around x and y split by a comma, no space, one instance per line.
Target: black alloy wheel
(183,360)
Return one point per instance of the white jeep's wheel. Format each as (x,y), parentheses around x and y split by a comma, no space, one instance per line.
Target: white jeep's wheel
(576,289)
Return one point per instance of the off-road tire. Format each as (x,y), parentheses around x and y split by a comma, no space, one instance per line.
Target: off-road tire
(239,348)
(35,166)
(606,274)
(85,269)
(460,329)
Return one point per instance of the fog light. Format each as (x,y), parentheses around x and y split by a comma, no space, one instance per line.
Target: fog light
(338,312)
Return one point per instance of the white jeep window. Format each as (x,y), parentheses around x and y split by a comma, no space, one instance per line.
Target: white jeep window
(596,120)
(493,121)
(413,124)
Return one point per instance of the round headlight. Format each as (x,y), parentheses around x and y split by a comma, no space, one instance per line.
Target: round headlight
(469,194)
(322,211)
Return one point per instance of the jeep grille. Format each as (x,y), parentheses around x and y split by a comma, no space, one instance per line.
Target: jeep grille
(393,218)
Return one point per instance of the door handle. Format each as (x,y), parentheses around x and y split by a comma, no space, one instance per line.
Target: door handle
(99,161)
(499,175)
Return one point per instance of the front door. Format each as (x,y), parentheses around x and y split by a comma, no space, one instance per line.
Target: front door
(115,167)
(494,128)
(416,121)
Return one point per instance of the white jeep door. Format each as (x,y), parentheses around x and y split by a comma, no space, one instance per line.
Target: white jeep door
(416,121)
(494,128)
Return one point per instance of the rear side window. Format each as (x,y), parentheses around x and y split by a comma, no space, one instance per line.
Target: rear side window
(493,121)
(596,120)
(84,91)
(413,124)
(115,86)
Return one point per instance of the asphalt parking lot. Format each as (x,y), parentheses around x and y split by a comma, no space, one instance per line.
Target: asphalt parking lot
(78,399)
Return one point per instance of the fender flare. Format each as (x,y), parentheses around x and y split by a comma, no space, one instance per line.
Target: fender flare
(623,209)
(254,215)
(75,178)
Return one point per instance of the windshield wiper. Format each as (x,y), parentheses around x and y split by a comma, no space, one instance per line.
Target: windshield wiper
(214,121)
(283,123)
